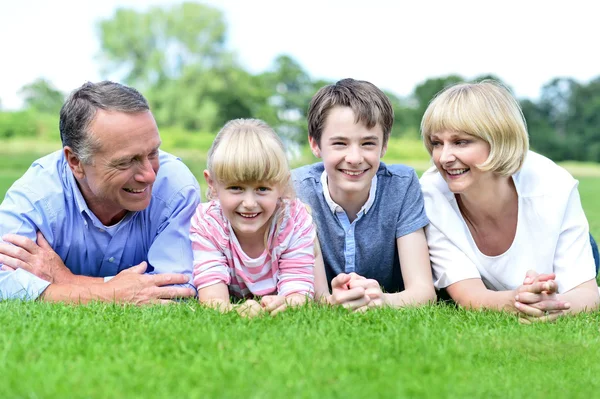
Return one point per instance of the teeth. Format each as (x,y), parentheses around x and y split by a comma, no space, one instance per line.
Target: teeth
(131,190)
(248,215)
(457,171)
(352,173)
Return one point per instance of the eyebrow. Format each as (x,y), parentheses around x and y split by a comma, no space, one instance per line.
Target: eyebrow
(343,138)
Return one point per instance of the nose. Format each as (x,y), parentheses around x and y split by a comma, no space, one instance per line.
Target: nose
(249,201)
(447,155)
(354,155)
(146,172)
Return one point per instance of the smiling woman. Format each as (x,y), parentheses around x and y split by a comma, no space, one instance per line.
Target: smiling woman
(507,228)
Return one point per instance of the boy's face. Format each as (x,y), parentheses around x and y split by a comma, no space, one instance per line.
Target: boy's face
(351,154)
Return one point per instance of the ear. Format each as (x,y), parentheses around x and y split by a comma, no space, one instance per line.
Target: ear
(74,163)
(212,191)
(314,147)
(383,150)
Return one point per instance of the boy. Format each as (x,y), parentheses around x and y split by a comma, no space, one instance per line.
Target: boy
(369,216)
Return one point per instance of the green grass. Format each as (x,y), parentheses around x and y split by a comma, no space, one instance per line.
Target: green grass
(102,351)
(110,351)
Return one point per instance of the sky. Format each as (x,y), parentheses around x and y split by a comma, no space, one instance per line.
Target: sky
(392,43)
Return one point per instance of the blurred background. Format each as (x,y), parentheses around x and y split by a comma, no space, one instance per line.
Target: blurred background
(203,63)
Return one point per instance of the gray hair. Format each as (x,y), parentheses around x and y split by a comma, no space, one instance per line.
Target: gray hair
(79,110)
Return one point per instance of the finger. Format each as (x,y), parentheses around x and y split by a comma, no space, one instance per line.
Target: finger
(340,296)
(174,292)
(41,241)
(14,263)
(6,268)
(15,252)
(21,242)
(340,281)
(529,297)
(357,303)
(547,318)
(278,309)
(374,293)
(539,287)
(362,309)
(354,276)
(546,277)
(530,276)
(137,269)
(528,310)
(365,283)
(169,279)
(552,305)
(275,303)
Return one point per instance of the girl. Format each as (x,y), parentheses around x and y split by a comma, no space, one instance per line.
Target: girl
(253,238)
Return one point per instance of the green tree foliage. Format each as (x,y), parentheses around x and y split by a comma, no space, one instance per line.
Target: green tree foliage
(40,95)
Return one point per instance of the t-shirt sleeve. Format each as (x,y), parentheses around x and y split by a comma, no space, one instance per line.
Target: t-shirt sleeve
(450,265)
(573,259)
(412,215)
(207,236)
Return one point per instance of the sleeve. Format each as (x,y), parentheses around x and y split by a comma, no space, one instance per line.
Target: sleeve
(573,259)
(210,263)
(171,251)
(450,264)
(18,215)
(412,215)
(296,264)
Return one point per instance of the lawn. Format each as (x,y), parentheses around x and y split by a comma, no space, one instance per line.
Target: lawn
(109,351)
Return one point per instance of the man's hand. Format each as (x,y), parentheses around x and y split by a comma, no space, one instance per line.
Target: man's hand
(133,286)
(274,304)
(343,294)
(38,259)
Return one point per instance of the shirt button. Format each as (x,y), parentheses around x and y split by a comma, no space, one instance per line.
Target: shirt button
(101,231)
(111,259)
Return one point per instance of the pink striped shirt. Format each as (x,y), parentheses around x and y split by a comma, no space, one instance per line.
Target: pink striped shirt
(284,268)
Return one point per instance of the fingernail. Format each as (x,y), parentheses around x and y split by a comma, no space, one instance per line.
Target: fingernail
(517,305)
(527,280)
(567,305)
(517,298)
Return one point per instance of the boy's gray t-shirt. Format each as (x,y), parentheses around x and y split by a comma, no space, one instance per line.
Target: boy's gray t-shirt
(398,210)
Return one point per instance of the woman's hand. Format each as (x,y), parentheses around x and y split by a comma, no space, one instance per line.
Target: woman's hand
(537,301)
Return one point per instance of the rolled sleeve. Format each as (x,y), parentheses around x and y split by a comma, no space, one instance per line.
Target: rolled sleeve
(20,284)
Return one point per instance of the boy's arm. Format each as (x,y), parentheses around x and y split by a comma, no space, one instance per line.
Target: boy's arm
(416,272)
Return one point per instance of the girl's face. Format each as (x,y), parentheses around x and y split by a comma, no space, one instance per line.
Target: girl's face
(455,155)
(247,206)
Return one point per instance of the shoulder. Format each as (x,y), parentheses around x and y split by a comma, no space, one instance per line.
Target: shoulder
(46,179)
(541,176)
(295,216)
(173,178)
(397,180)
(209,214)
(396,171)
(308,172)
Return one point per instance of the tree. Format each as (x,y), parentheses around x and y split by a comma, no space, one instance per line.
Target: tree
(151,47)
(426,91)
(41,96)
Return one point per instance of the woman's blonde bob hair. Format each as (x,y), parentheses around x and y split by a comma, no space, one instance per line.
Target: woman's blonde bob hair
(248,151)
(486,110)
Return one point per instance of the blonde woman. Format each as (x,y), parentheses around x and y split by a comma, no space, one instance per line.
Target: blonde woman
(507,230)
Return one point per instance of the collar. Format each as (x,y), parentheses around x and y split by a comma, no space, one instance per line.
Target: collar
(337,208)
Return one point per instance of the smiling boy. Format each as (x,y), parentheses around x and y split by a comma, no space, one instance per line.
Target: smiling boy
(370,216)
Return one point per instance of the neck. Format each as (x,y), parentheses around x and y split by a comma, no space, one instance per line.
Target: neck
(107,214)
(490,203)
(350,202)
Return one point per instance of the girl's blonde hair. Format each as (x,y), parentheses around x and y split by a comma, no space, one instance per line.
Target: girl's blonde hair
(486,110)
(249,150)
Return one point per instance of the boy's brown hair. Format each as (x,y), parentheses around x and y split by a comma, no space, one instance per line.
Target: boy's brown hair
(370,106)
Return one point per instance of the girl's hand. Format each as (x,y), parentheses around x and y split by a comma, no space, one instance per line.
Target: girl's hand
(249,309)
(343,294)
(274,304)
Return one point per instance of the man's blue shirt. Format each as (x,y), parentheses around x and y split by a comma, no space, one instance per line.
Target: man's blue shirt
(47,199)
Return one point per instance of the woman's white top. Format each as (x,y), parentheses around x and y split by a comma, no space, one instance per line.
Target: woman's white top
(552,232)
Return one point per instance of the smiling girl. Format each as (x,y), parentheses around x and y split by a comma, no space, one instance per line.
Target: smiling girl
(253,238)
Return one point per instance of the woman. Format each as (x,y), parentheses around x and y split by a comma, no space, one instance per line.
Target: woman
(507,228)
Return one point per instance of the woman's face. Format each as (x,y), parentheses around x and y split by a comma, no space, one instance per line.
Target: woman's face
(455,155)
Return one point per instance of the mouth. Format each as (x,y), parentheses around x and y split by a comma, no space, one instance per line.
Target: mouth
(248,215)
(457,172)
(134,191)
(353,173)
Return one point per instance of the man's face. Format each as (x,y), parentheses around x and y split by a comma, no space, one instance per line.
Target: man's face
(123,169)
(351,154)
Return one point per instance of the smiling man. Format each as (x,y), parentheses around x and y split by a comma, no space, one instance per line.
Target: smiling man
(110,203)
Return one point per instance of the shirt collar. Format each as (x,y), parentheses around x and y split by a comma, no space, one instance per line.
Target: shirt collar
(337,208)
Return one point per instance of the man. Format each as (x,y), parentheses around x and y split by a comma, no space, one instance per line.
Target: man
(110,203)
